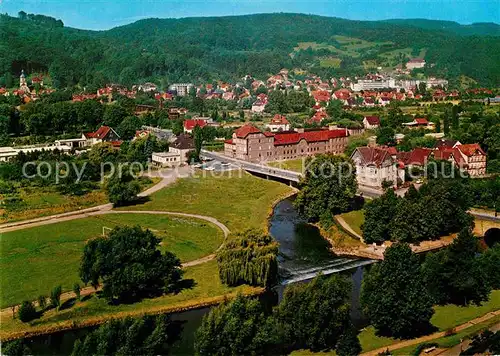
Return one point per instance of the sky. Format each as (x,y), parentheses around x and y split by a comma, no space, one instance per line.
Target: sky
(105,14)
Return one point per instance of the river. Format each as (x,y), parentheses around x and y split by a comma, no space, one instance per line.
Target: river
(303,253)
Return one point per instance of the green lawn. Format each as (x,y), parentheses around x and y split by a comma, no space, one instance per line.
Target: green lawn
(355,219)
(296,165)
(206,288)
(237,199)
(37,259)
(445,318)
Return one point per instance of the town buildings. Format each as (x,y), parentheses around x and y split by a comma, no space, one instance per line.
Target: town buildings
(375,165)
(182,89)
(371,122)
(251,144)
(415,63)
(278,123)
(178,152)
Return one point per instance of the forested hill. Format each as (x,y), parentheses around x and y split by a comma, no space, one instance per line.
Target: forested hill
(479,28)
(195,49)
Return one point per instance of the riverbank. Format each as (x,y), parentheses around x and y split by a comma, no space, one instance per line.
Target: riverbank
(202,288)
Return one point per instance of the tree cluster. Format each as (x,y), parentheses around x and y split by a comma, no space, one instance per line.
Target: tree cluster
(129,264)
(249,258)
(437,209)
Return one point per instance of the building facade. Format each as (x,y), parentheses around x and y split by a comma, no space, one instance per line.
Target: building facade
(251,144)
(374,166)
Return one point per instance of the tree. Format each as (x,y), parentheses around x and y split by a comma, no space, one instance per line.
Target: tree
(348,344)
(129,264)
(327,188)
(127,128)
(76,290)
(122,189)
(27,312)
(378,216)
(42,301)
(55,297)
(249,257)
(454,275)
(490,264)
(149,335)
(394,296)
(114,115)
(385,136)
(314,315)
(16,348)
(240,327)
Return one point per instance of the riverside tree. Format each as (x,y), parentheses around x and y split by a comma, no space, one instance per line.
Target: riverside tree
(394,296)
(240,327)
(315,315)
(328,187)
(129,264)
(149,335)
(457,274)
(122,189)
(249,258)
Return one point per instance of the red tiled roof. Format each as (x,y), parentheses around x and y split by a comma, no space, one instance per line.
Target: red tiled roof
(230,141)
(101,133)
(421,121)
(279,120)
(289,138)
(471,149)
(373,120)
(373,155)
(418,156)
(190,124)
(246,130)
(342,94)
(321,95)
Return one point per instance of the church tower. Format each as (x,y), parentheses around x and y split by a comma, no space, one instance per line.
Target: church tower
(22,83)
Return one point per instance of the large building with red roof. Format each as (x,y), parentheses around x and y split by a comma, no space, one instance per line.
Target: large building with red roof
(376,165)
(251,144)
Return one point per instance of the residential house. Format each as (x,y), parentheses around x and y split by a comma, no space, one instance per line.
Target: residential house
(415,63)
(278,123)
(371,122)
(375,165)
(420,122)
(190,124)
(178,152)
(103,134)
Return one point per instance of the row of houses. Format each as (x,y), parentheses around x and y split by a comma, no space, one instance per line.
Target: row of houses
(374,165)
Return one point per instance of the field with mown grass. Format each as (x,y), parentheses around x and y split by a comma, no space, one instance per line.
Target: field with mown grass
(35,202)
(235,198)
(354,219)
(202,288)
(296,165)
(37,259)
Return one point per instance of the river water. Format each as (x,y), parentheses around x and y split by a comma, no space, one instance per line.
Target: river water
(303,254)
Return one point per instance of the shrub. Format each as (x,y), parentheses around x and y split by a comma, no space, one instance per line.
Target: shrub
(27,312)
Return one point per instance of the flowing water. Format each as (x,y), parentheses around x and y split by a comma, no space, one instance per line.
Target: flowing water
(303,254)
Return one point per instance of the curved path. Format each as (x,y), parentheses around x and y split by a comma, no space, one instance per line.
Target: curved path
(106,209)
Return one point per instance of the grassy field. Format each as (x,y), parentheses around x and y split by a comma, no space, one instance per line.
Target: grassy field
(445,318)
(330,62)
(237,199)
(355,219)
(37,259)
(35,202)
(205,289)
(296,165)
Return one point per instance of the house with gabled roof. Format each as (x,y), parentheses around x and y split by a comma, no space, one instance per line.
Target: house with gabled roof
(278,123)
(375,165)
(371,122)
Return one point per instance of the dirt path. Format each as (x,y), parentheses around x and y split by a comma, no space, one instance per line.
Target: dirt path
(427,338)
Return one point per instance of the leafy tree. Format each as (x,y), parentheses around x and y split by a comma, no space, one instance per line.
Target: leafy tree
(454,275)
(55,296)
(16,348)
(314,315)
(127,128)
(149,335)
(328,187)
(490,264)
(42,301)
(129,264)
(394,296)
(27,312)
(385,136)
(76,290)
(249,257)
(378,216)
(114,114)
(240,327)
(348,344)
(122,189)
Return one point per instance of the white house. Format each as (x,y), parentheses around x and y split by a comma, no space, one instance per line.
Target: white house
(278,123)
(371,122)
(375,165)
(177,153)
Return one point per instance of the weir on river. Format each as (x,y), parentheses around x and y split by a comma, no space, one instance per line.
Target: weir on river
(303,251)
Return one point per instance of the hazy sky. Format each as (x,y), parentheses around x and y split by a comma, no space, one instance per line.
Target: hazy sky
(103,14)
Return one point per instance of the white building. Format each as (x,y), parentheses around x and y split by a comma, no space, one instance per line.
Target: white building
(278,123)
(415,63)
(376,165)
(177,153)
(182,89)
(368,84)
